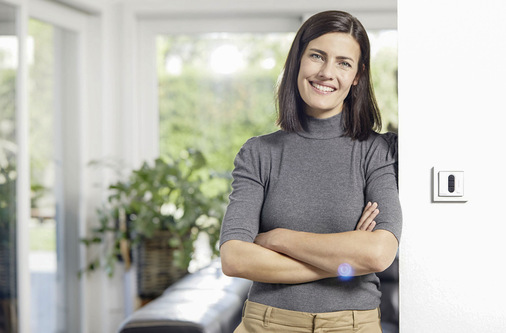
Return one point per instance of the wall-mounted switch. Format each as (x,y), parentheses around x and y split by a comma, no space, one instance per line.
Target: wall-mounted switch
(448,185)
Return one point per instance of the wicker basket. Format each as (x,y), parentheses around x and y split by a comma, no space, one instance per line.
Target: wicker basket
(155,270)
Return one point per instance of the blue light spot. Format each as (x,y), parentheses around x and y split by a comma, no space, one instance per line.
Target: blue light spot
(345,272)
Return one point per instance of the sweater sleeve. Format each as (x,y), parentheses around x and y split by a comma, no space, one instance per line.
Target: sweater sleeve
(381,182)
(242,218)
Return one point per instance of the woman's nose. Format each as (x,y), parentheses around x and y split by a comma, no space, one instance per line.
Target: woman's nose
(326,71)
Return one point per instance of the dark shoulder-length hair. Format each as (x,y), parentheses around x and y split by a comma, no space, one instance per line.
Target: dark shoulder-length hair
(360,112)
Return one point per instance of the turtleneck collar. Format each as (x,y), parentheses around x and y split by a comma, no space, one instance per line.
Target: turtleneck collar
(322,129)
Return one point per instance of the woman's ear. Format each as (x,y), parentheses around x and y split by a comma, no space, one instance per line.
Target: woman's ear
(359,74)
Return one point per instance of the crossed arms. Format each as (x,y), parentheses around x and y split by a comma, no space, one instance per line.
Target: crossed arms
(288,256)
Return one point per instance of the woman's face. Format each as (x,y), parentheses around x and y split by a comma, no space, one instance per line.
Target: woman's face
(328,69)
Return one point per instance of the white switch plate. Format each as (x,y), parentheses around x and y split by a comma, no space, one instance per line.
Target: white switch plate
(448,185)
(451,183)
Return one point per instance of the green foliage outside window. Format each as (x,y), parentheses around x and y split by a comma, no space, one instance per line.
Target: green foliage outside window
(215,112)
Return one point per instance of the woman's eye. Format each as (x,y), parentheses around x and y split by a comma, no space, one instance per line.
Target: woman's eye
(345,64)
(316,56)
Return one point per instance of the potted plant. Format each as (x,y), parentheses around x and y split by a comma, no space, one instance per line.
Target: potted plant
(156,213)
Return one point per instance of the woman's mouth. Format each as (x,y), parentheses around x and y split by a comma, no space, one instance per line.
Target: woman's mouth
(321,88)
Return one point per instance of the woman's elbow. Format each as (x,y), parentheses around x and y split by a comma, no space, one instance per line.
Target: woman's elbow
(228,268)
(384,252)
(381,261)
(229,263)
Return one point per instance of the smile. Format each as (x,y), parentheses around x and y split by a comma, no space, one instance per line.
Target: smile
(321,88)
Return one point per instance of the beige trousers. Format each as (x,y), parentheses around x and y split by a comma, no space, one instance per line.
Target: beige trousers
(259,318)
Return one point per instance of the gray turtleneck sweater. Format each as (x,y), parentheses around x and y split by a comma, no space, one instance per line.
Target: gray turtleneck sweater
(315,181)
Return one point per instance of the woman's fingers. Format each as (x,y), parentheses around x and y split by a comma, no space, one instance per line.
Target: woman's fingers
(371,226)
(369,220)
(366,221)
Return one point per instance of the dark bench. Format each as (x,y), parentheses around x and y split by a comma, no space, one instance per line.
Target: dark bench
(207,301)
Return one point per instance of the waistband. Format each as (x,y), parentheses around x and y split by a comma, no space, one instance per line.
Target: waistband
(290,318)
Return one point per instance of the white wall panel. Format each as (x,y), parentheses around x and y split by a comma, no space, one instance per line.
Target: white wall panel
(452,113)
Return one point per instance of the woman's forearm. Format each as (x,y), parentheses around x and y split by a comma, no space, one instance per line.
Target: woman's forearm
(257,263)
(364,252)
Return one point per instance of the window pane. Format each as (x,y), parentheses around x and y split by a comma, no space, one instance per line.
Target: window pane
(8,175)
(43,271)
(217,90)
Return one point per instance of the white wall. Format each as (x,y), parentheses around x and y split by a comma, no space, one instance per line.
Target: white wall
(452,113)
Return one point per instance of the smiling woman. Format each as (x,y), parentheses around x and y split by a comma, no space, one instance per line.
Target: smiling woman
(315,205)
(328,69)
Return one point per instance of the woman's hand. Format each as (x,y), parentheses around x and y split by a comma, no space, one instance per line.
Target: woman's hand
(366,222)
(272,239)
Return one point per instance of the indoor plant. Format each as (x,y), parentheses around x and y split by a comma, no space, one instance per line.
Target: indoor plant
(171,201)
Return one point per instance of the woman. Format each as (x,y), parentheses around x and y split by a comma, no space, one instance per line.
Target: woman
(314,210)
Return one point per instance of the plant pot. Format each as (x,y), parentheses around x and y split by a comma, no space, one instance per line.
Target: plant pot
(155,268)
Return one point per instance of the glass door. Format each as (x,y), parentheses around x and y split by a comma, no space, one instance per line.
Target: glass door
(53,144)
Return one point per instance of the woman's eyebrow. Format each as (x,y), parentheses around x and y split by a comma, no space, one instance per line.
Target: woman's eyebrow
(345,58)
(318,51)
(325,54)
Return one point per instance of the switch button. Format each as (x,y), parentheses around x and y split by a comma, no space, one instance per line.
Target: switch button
(451,183)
